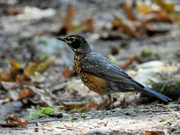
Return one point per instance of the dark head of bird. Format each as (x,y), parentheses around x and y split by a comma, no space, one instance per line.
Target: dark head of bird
(77,43)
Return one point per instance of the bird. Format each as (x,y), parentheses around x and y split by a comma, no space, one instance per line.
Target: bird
(100,75)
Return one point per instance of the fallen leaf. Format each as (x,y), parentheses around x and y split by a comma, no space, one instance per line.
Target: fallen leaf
(129,61)
(128,10)
(67,73)
(68,21)
(11,11)
(42,66)
(154,133)
(145,8)
(26,74)
(30,69)
(93,105)
(5,75)
(14,64)
(25,93)
(74,105)
(85,26)
(163,17)
(38,77)
(39,66)
(9,85)
(167,6)
(115,25)
(114,51)
(44,95)
(69,26)
(13,121)
(164,11)
(125,27)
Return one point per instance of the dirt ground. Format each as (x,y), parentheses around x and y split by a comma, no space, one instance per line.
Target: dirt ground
(132,120)
(27,33)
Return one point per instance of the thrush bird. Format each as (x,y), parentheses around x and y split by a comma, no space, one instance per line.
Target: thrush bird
(99,74)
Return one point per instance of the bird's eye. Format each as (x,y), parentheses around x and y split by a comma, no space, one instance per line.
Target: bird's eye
(72,39)
(76,44)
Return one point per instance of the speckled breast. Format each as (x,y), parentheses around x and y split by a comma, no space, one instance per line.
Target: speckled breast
(94,83)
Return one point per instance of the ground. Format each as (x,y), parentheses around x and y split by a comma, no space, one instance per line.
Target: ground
(131,120)
(29,31)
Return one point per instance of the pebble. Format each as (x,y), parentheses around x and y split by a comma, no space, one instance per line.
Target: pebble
(99,130)
(56,114)
(76,115)
(66,115)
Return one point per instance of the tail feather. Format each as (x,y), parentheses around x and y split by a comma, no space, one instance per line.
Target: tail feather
(157,94)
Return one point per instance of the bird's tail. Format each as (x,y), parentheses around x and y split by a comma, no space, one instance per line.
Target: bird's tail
(157,94)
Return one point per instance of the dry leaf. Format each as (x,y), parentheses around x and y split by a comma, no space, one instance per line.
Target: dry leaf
(68,21)
(69,26)
(33,67)
(128,10)
(163,17)
(114,51)
(11,11)
(125,27)
(93,105)
(13,121)
(73,105)
(42,66)
(25,93)
(154,133)
(84,26)
(129,62)
(14,64)
(5,75)
(167,6)
(146,8)
(11,73)
(164,11)
(67,73)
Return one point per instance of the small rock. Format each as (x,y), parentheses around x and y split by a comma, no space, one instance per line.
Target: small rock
(100,130)
(66,115)
(56,114)
(74,118)
(76,115)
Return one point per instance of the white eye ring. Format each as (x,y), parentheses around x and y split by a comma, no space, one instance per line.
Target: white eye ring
(71,39)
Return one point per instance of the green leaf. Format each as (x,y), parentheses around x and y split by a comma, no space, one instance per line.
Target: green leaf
(43,110)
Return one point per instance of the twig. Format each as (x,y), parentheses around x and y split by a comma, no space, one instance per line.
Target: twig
(172,110)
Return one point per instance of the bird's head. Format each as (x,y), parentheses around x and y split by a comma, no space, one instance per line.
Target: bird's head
(77,43)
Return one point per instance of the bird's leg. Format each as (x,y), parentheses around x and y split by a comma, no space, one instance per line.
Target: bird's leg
(105,103)
(110,103)
(102,99)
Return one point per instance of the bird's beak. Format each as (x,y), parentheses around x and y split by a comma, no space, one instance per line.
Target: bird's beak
(62,39)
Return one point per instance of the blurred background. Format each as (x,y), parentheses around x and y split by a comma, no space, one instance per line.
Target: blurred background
(140,36)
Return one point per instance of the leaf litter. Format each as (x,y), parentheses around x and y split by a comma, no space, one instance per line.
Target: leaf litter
(30,81)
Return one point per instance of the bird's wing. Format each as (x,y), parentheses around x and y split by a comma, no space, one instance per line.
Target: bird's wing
(101,67)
